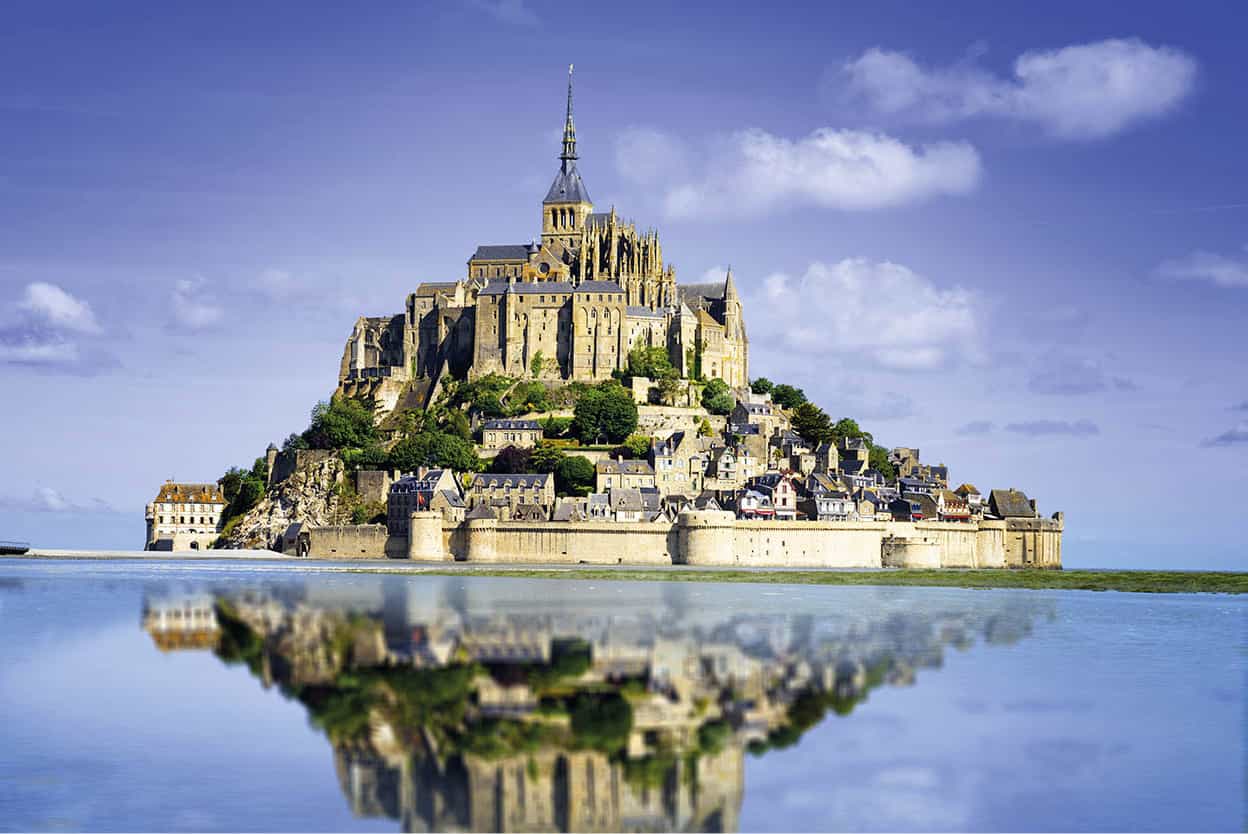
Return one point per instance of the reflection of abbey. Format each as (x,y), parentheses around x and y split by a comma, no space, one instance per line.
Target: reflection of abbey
(455,706)
(570,305)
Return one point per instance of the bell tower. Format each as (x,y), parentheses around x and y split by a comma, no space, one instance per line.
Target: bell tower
(567,202)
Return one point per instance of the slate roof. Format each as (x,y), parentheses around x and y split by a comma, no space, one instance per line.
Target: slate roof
(967,489)
(638,312)
(668,446)
(598,218)
(526,481)
(480,511)
(1010,503)
(171,493)
(500,287)
(651,498)
(599,286)
(512,425)
(434,287)
(699,295)
(626,499)
(852,466)
(855,443)
(503,252)
(568,187)
(451,497)
(624,467)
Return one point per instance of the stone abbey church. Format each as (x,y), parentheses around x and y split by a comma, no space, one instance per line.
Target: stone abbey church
(570,306)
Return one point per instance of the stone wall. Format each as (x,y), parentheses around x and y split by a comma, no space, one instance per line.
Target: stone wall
(357,541)
(288,462)
(709,538)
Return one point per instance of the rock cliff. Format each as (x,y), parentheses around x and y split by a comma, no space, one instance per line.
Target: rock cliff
(309,496)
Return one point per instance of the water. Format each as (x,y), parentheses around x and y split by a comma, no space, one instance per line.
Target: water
(204,696)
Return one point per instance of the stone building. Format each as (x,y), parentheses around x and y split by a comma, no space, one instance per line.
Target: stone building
(520,497)
(431,489)
(569,305)
(184,517)
(499,434)
(620,473)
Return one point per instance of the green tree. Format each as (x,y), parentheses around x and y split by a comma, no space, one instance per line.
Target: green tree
(812,423)
(762,385)
(537,364)
(717,397)
(341,423)
(786,396)
(455,422)
(527,396)
(638,446)
(294,442)
(231,481)
(704,428)
(511,460)
(545,457)
(652,362)
(605,412)
(554,426)
(601,722)
(574,475)
(879,461)
(846,427)
(670,387)
(435,449)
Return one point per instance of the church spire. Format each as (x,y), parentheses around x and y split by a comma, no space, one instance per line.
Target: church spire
(569,129)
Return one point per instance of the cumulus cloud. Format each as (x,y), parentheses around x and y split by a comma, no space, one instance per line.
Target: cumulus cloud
(751,172)
(44,331)
(1066,375)
(46,499)
(1219,270)
(877,312)
(975,427)
(1231,437)
(1084,91)
(514,12)
(192,306)
(58,308)
(1037,428)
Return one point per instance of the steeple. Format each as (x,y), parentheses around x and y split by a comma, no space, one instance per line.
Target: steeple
(567,203)
(730,289)
(569,129)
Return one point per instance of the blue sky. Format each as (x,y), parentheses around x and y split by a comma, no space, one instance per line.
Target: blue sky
(1015,238)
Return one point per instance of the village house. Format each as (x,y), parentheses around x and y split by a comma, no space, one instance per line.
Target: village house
(973,499)
(679,463)
(621,473)
(951,507)
(905,509)
(827,460)
(513,497)
(499,434)
(428,489)
(754,505)
(828,506)
(1010,503)
(782,491)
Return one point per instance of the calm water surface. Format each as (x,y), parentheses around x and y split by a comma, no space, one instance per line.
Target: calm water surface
(203,696)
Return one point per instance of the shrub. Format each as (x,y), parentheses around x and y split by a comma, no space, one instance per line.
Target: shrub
(717,397)
(762,385)
(601,722)
(435,449)
(511,461)
(652,362)
(786,396)
(574,475)
(341,423)
(605,412)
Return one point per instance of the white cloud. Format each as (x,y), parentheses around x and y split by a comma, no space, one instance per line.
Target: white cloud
(193,308)
(39,350)
(1085,91)
(1207,266)
(647,156)
(878,312)
(752,171)
(515,12)
(46,499)
(58,309)
(277,284)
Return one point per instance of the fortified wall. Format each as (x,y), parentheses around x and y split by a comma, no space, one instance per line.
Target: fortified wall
(708,538)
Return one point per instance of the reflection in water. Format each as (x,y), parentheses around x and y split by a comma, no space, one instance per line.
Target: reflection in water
(473,706)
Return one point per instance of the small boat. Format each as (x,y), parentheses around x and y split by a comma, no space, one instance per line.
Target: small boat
(13,548)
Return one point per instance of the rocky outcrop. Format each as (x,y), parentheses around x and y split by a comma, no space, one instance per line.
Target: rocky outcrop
(310,496)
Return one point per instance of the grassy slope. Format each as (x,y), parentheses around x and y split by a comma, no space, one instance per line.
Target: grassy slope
(1134,581)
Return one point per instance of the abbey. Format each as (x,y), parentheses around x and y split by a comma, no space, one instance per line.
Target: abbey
(569,306)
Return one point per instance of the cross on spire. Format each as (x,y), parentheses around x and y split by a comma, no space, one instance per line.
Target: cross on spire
(569,129)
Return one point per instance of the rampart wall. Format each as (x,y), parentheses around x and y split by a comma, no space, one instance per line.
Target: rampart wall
(707,538)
